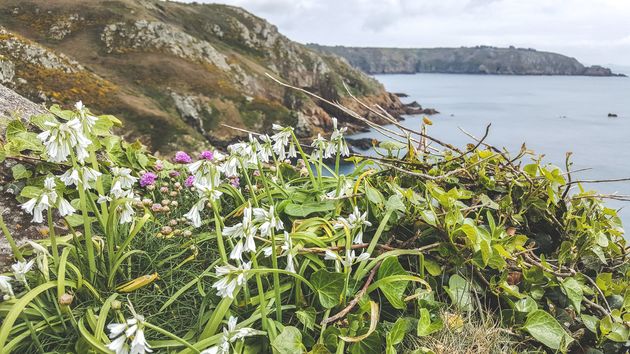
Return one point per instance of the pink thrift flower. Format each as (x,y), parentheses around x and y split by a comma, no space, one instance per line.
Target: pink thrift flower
(156,207)
(207,155)
(147,179)
(235,182)
(174,173)
(189,181)
(158,166)
(182,157)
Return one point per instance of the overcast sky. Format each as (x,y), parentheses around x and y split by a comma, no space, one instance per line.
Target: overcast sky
(593,31)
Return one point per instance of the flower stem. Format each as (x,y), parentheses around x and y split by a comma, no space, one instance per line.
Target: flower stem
(171,335)
(14,248)
(217,226)
(261,296)
(305,158)
(87,229)
(53,239)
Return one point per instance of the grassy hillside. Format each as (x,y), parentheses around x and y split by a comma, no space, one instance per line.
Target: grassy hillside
(174,72)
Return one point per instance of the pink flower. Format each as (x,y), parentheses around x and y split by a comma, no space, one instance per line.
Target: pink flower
(189,181)
(182,157)
(235,182)
(174,173)
(156,207)
(207,155)
(158,165)
(147,179)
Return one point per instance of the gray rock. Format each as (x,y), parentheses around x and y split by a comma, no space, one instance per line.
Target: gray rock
(7,71)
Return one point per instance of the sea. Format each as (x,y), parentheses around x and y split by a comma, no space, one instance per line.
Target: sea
(552,115)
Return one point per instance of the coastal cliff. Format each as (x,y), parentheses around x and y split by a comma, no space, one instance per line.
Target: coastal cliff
(174,72)
(473,60)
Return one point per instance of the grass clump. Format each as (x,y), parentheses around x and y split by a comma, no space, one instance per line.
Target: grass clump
(267,248)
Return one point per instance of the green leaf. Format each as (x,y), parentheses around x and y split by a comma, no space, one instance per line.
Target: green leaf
(302,210)
(425,326)
(432,267)
(459,291)
(395,203)
(526,305)
(429,217)
(574,292)
(590,322)
(393,291)
(542,326)
(370,345)
(20,172)
(307,317)
(289,341)
(618,333)
(319,349)
(329,287)
(374,196)
(397,333)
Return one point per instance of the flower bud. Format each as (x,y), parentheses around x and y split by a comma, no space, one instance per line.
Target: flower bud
(174,203)
(187,233)
(173,194)
(65,299)
(164,190)
(166,202)
(151,187)
(172,222)
(116,305)
(147,201)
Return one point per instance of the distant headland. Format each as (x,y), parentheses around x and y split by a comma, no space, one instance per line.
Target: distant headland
(463,60)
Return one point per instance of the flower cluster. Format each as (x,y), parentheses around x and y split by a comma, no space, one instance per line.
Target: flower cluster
(47,198)
(133,329)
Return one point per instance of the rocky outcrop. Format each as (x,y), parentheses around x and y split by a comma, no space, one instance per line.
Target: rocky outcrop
(474,60)
(144,35)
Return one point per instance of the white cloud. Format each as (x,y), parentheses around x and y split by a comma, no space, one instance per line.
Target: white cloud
(594,31)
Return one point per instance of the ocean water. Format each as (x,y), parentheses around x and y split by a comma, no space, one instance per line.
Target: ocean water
(550,114)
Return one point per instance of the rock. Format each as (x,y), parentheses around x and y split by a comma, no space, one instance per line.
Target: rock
(401,94)
(414,104)
(612,115)
(145,35)
(362,143)
(7,71)
(18,223)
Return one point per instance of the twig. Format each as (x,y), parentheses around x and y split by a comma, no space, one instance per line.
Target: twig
(599,180)
(355,300)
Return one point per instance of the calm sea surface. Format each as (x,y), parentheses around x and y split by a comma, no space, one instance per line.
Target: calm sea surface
(551,114)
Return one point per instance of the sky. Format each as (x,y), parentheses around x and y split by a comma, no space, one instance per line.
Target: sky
(593,31)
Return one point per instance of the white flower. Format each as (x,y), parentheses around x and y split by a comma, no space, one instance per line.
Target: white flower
(244,232)
(47,198)
(231,334)
(346,186)
(133,327)
(282,139)
(194,214)
(208,185)
(123,176)
(287,250)
(320,148)
(126,209)
(230,277)
(21,268)
(354,220)
(264,148)
(230,166)
(337,142)
(103,199)
(81,176)
(5,285)
(88,119)
(60,138)
(351,258)
(269,221)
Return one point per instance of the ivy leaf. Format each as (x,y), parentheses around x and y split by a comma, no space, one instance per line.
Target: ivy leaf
(526,305)
(397,333)
(459,291)
(289,341)
(542,326)
(425,326)
(307,317)
(574,292)
(590,322)
(429,217)
(302,210)
(20,172)
(370,345)
(329,287)
(393,291)
(395,203)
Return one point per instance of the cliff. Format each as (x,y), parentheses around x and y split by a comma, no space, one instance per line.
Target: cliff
(474,60)
(173,71)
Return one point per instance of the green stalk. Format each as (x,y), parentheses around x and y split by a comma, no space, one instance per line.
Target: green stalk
(170,335)
(249,182)
(261,296)
(87,228)
(374,241)
(99,183)
(217,226)
(305,158)
(7,234)
(53,239)
(274,255)
(348,267)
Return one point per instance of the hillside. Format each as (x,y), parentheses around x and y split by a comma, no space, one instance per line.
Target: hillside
(474,60)
(172,71)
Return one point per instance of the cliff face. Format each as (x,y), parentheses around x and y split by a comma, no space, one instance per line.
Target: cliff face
(476,60)
(173,71)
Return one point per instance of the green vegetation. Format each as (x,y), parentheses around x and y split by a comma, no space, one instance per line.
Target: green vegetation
(257,250)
